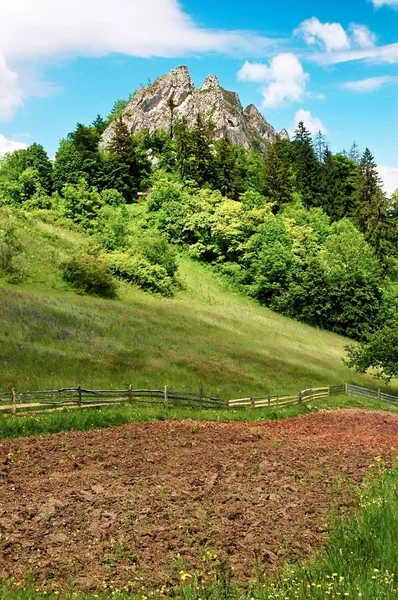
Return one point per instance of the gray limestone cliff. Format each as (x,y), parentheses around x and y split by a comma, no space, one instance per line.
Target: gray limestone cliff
(174,96)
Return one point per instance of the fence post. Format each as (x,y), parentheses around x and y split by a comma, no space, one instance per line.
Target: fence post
(166,394)
(269,400)
(300,397)
(200,396)
(378,394)
(277,400)
(130,392)
(253,402)
(346,388)
(14,401)
(313,394)
(328,390)
(79,395)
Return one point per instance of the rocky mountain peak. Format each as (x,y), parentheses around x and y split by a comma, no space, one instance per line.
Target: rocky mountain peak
(210,82)
(173,95)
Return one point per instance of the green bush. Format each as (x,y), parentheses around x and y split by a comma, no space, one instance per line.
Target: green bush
(10,248)
(156,249)
(89,272)
(139,271)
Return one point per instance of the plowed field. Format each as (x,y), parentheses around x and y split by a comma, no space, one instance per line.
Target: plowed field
(142,502)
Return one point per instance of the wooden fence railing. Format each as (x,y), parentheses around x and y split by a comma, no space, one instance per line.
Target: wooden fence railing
(82,397)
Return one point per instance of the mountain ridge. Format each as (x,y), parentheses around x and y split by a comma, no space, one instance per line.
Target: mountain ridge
(173,95)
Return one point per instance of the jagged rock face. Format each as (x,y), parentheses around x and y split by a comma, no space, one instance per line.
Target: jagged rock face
(174,96)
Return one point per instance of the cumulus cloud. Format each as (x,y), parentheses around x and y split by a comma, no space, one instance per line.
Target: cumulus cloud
(313,124)
(284,77)
(10,93)
(330,36)
(339,45)
(370,84)
(389,176)
(253,72)
(7,145)
(362,36)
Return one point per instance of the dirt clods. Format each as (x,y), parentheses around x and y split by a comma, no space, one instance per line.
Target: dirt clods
(144,503)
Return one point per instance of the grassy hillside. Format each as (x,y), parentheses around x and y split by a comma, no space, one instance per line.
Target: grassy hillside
(207,335)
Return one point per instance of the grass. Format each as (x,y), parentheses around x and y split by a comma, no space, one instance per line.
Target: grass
(207,335)
(359,562)
(25,425)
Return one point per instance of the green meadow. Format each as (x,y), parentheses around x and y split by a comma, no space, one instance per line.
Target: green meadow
(206,335)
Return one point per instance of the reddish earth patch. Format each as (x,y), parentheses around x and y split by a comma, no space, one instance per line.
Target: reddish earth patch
(141,502)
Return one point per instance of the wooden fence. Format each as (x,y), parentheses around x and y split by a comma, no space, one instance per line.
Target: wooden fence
(76,397)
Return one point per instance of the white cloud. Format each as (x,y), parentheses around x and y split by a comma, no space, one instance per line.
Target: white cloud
(380,54)
(389,176)
(10,93)
(253,72)
(33,33)
(331,36)
(392,3)
(313,124)
(7,145)
(369,85)
(47,28)
(285,78)
(362,36)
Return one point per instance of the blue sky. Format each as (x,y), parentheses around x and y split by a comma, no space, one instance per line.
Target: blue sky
(333,65)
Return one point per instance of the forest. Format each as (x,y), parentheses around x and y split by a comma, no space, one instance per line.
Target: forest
(306,232)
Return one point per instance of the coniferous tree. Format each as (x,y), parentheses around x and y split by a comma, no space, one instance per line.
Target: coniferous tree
(123,168)
(227,173)
(306,166)
(370,205)
(331,188)
(182,137)
(320,145)
(276,176)
(99,124)
(203,163)
(354,153)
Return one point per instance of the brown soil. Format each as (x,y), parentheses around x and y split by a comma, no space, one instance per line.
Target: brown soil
(143,502)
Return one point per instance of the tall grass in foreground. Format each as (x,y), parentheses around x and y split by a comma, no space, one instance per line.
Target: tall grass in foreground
(83,419)
(359,562)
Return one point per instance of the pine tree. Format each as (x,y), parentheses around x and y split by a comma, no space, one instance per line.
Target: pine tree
(276,176)
(370,210)
(320,145)
(121,167)
(354,153)
(99,124)
(203,164)
(331,188)
(227,172)
(306,166)
(182,137)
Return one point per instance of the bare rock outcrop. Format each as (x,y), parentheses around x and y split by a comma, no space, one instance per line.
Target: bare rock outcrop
(174,96)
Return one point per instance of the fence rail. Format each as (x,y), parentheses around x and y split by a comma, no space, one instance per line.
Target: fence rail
(74,397)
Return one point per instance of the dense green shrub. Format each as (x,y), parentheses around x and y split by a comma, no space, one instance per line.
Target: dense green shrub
(89,272)
(139,271)
(154,246)
(10,248)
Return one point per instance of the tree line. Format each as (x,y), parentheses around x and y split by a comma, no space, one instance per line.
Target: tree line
(307,232)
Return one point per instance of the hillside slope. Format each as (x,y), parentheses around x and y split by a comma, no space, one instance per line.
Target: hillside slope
(206,335)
